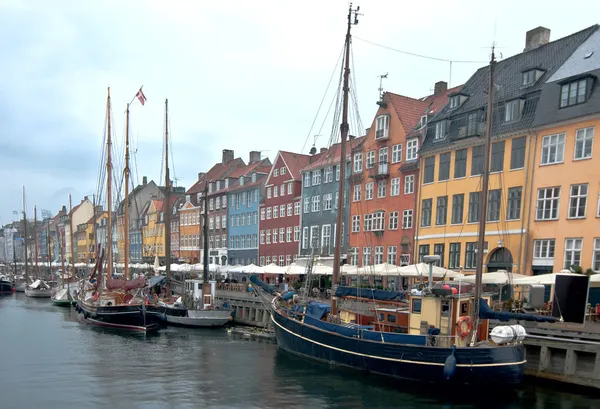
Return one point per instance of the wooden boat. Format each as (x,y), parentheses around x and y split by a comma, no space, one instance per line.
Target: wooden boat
(63,297)
(6,285)
(38,289)
(122,327)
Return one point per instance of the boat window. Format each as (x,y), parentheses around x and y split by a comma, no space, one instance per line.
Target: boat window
(445,308)
(464,308)
(381,317)
(391,318)
(416,305)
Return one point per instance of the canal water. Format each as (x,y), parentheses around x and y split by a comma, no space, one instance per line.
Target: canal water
(49,360)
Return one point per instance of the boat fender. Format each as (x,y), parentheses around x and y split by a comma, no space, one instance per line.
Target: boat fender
(465,319)
(450,365)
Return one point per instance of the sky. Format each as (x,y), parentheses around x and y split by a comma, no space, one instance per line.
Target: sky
(238,75)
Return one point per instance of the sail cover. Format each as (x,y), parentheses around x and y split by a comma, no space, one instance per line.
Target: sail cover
(381,295)
(120,284)
(257,281)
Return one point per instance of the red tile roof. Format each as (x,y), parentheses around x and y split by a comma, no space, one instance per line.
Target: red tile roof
(296,162)
(218,171)
(332,155)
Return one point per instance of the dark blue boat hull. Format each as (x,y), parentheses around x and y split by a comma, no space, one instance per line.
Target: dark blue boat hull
(482,366)
(133,315)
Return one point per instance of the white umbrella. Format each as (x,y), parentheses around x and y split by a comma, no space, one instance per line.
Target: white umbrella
(274,269)
(498,277)
(546,279)
(422,270)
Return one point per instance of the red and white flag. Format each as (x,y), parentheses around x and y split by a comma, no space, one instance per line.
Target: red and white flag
(140,95)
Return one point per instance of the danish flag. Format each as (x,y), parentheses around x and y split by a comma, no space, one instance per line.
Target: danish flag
(140,95)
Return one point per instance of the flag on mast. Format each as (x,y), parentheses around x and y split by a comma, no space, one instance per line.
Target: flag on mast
(140,96)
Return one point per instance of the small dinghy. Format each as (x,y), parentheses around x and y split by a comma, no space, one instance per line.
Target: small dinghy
(39,289)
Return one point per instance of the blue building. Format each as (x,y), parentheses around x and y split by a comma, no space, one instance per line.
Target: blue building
(244,197)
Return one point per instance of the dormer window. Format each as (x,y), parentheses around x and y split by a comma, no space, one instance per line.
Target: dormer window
(573,93)
(226,183)
(254,177)
(440,130)
(454,101)
(530,77)
(218,185)
(423,121)
(241,181)
(382,127)
(513,110)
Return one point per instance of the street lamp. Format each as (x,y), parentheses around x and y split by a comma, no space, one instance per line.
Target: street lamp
(430,260)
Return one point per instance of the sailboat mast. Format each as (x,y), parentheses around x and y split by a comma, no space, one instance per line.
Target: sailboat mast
(126,215)
(72,237)
(344,128)
(25,241)
(35,253)
(484,196)
(61,245)
(166,207)
(48,244)
(95,253)
(205,235)
(109,248)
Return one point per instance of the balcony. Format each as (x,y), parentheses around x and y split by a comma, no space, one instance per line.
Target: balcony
(381,170)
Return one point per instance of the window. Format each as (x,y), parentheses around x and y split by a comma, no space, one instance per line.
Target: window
(470,256)
(395,187)
(224,204)
(440,130)
(379,255)
(289,190)
(596,256)
(262,237)
(573,93)
(547,203)
(578,201)
(289,209)
(454,256)
(572,252)
(397,153)
(382,126)
(429,170)
(210,204)
(531,76)
(218,203)
(494,205)
(378,221)
(296,208)
(514,203)
(477,160)
(412,146)
(337,173)
(281,190)
(282,171)
(306,184)
(224,222)
(543,248)
(268,194)
(328,174)
(441,210)
(444,172)
(314,237)
(281,211)
(383,156)
(268,214)
(517,154)
(369,191)
(460,163)
(438,250)
(327,201)
(370,159)
(368,225)
(316,177)
(381,188)
(393,225)
(391,255)
(423,251)
(584,138)
(357,162)
(474,200)
(497,164)
(306,204)
(407,218)
(366,256)
(458,202)
(275,213)
(354,256)
(274,235)
(356,193)
(426,212)
(409,184)
(512,110)
(454,101)
(355,223)
(282,235)
(316,200)
(472,124)
(553,149)
(262,214)
(276,172)
(296,233)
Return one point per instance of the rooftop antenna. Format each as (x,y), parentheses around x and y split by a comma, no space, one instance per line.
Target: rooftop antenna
(381,77)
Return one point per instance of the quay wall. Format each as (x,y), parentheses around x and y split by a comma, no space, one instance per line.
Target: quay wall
(249,308)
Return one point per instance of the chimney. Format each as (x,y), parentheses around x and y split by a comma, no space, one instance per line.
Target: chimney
(440,87)
(323,150)
(201,175)
(85,198)
(144,181)
(536,37)
(227,155)
(254,157)
(350,137)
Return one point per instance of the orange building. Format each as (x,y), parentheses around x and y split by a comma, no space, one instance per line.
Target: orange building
(384,179)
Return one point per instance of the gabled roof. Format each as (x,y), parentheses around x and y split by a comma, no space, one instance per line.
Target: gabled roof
(332,155)
(294,162)
(218,171)
(508,86)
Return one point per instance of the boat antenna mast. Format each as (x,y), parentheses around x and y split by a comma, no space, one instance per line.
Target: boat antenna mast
(484,198)
(344,128)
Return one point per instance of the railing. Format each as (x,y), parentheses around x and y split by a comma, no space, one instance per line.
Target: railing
(380,170)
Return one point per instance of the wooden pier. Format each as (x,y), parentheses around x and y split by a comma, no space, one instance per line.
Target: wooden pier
(249,308)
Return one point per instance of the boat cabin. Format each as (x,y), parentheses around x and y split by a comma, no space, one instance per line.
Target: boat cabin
(193,289)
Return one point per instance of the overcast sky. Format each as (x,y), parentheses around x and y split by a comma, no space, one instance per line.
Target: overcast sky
(242,75)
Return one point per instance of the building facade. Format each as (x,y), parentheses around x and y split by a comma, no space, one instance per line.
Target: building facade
(279,228)
(452,162)
(80,214)
(564,226)
(320,193)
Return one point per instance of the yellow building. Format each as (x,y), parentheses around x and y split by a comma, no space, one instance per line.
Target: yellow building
(565,221)
(153,233)
(451,162)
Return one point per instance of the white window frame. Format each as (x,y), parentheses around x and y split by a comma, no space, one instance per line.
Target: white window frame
(395,187)
(370,160)
(356,193)
(407,219)
(381,188)
(369,191)
(553,200)
(357,163)
(596,255)
(553,145)
(578,200)
(584,137)
(573,248)
(393,220)
(412,149)
(382,127)
(397,153)
(356,223)
(409,184)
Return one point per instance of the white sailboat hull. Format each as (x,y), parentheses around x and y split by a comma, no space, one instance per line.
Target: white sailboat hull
(201,318)
(43,293)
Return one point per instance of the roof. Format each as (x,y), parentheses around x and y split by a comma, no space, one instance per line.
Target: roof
(218,171)
(295,162)
(332,155)
(508,86)
(263,166)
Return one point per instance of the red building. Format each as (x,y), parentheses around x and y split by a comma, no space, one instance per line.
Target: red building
(385,177)
(279,225)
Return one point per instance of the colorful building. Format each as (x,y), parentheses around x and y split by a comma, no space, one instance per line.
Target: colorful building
(452,160)
(245,195)
(80,213)
(385,178)
(564,220)
(279,229)
(320,193)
